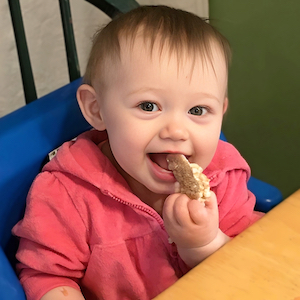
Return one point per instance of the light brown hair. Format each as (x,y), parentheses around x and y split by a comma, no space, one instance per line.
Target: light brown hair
(182,32)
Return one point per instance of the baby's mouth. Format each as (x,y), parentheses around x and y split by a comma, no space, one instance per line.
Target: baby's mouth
(160,159)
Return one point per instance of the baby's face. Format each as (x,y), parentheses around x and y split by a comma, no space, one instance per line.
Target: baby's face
(152,107)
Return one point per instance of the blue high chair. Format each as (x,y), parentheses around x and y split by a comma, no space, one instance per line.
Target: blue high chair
(27,135)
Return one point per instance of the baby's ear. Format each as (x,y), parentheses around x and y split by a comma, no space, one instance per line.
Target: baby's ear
(225,105)
(89,105)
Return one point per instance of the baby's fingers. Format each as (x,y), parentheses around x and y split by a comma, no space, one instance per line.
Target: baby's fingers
(176,209)
(199,211)
(180,210)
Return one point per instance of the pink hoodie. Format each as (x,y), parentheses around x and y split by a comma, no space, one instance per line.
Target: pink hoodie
(85,229)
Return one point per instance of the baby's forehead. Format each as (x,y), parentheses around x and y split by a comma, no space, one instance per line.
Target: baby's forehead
(163,50)
(141,59)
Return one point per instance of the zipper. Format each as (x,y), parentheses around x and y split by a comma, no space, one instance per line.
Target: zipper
(149,210)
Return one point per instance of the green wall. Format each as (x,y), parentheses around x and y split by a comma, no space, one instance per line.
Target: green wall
(263,120)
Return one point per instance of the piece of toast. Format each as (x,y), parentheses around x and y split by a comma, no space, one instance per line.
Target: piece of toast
(192,181)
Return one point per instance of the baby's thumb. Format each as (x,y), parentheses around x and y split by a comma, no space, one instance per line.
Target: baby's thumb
(211,202)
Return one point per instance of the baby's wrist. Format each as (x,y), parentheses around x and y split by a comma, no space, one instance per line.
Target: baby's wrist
(193,256)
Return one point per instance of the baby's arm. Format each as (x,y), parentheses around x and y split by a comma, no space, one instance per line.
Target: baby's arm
(194,227)
(53,250)
(63,293)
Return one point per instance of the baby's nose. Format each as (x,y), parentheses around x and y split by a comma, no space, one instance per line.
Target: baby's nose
(174,130)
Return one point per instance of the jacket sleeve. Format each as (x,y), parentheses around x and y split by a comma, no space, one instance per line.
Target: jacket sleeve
(236,203)
(53,248)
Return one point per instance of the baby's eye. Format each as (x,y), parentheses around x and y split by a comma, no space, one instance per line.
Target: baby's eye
(198,111)
(148,106)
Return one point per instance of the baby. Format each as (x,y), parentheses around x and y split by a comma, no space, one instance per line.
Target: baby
(100,214)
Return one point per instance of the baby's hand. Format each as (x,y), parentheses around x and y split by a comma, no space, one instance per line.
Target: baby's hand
(194,227)
(191,223)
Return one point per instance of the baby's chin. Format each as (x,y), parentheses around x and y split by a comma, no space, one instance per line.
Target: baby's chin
(170,189)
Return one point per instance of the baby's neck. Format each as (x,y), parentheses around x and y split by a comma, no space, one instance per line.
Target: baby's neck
(156,201)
